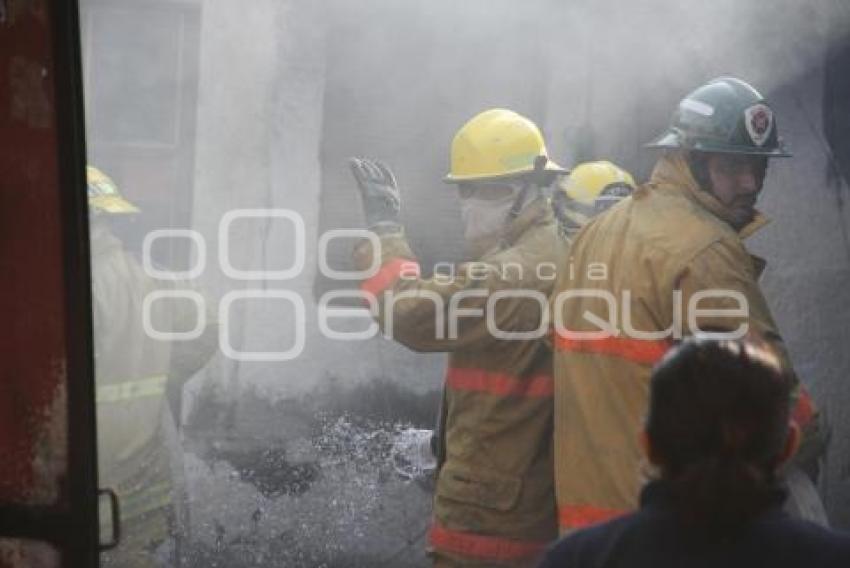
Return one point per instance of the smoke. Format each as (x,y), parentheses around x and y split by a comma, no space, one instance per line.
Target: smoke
(601,79)
(200,108)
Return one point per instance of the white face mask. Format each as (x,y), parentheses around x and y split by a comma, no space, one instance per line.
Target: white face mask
(484,218)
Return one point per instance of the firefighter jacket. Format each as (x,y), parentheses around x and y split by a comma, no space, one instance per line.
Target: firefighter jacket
(656,263)
(494,500)
(137,441)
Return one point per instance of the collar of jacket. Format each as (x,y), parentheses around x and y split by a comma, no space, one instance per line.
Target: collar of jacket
(672,173)
(658,494)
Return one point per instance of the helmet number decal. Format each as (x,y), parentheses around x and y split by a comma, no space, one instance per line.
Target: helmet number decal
(759,121)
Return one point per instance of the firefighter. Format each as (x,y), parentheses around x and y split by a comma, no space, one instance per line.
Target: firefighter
(669,258)
(494,498)
(138,450)
(590,189)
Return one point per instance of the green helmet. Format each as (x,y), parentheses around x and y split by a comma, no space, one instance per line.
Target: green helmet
(725,115)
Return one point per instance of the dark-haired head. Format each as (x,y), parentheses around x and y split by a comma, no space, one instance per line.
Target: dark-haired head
(718,427)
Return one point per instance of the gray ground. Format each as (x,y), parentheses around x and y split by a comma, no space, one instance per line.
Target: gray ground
(324,492)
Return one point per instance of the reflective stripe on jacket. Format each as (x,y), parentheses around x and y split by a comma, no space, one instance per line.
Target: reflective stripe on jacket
(494,498)
(669,238)
(131,390)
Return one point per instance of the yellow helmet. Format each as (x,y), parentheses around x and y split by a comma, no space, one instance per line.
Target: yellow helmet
(591,188)
(494,144)
(587,181)
(104,195)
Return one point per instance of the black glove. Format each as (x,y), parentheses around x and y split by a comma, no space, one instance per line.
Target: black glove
(379,193)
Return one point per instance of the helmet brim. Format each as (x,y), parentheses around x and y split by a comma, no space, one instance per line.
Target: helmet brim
(112,204)
(549,167)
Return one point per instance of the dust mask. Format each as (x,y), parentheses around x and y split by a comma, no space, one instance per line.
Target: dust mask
(484,218)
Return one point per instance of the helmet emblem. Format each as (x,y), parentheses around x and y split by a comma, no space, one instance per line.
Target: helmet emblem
(759,121)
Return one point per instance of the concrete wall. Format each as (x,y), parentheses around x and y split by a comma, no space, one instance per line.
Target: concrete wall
(291,456)
(806,280)
(260,133)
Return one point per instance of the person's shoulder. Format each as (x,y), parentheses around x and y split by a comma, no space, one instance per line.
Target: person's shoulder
(820,535)
(799,539)
(674,211)
(586,547)
(655,220)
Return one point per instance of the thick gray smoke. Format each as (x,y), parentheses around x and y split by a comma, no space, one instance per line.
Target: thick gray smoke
(600,78)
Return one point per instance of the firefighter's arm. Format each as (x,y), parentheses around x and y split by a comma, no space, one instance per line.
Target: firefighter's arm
(472,306)
(720,291)
(189,356)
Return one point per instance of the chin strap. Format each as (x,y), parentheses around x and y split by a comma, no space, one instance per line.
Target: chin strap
(698,164)
(532,181)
